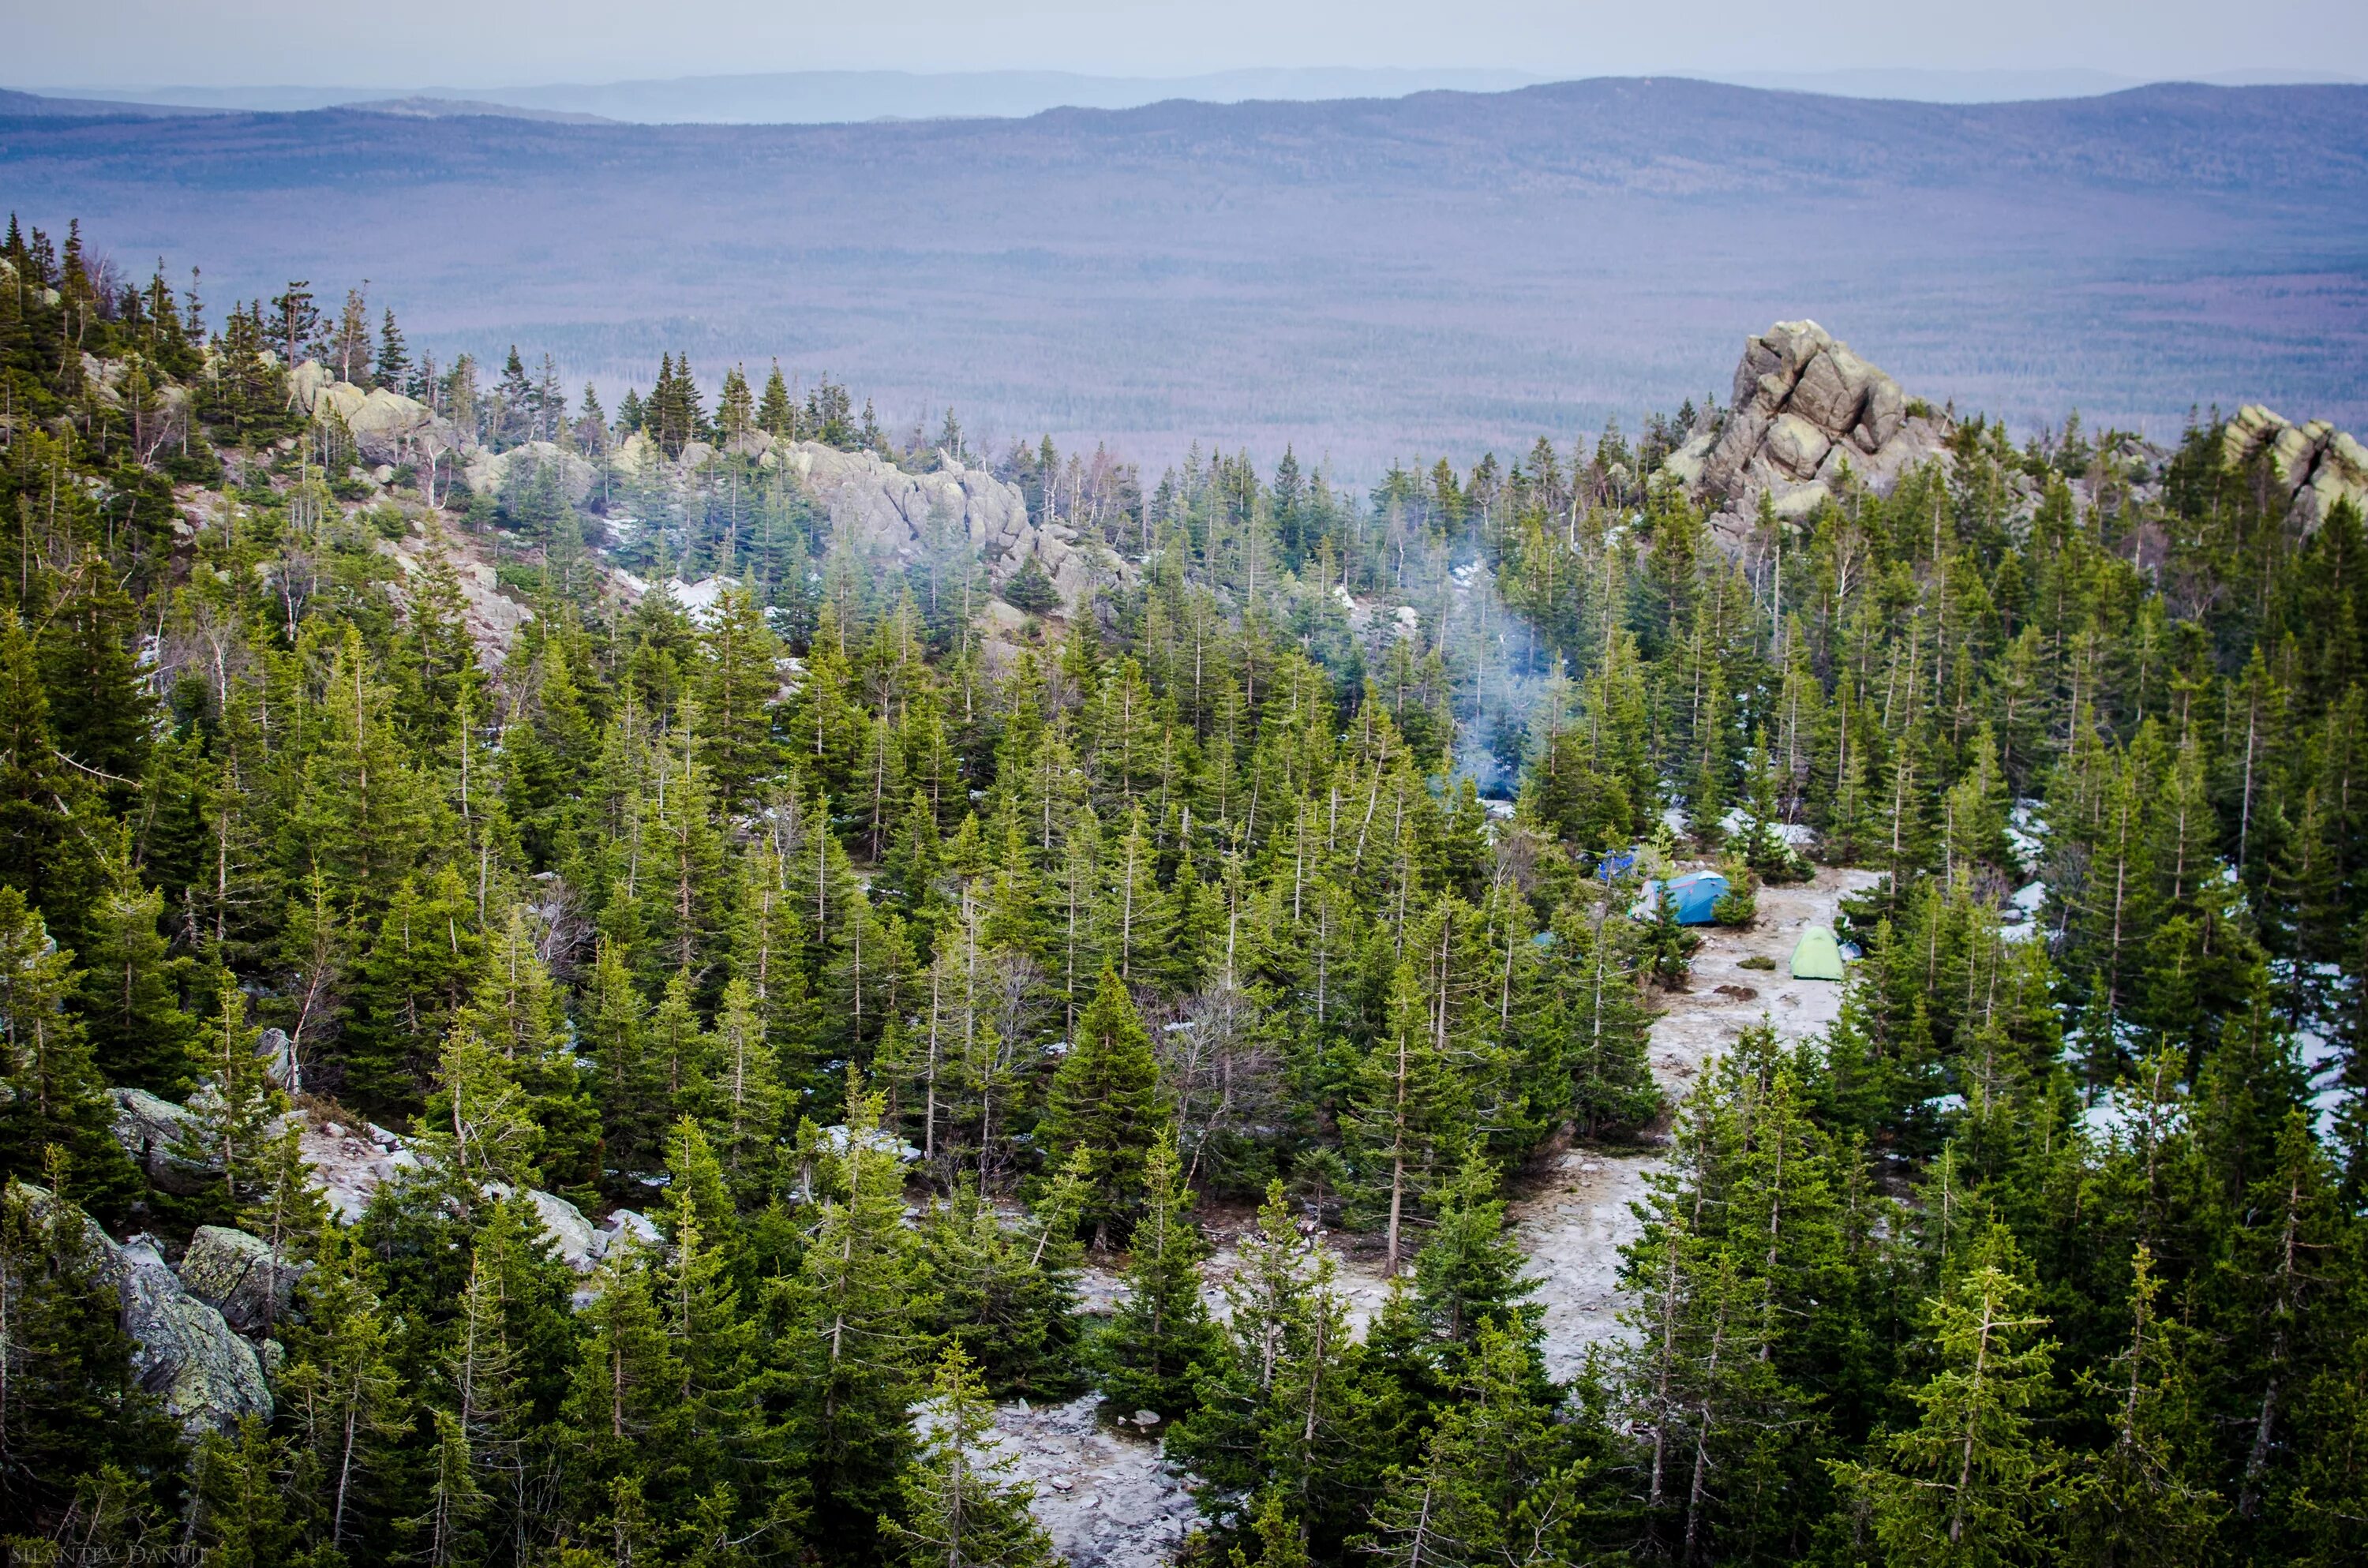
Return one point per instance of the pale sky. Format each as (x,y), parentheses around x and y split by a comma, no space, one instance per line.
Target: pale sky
(522,43)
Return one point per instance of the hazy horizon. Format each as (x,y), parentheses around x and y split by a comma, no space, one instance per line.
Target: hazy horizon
(474,45)
(851,95)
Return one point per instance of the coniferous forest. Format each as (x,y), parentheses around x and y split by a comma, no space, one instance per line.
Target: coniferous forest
(785,1020)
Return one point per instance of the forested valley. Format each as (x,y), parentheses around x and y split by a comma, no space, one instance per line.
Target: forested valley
(767,976)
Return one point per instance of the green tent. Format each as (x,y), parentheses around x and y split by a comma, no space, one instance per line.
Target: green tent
(1818,956)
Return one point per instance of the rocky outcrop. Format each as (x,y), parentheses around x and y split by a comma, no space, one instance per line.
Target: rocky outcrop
(897,512)
(184,1351)
(387,427)
(241,1276)
(490,474)
(349,1163)
(1808,416)
(2319,466)
(149,1127)
(491,616)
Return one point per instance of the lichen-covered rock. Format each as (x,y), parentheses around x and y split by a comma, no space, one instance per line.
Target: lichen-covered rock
(184,1351)
(893,510)
(240,1276)
(489,472)
(189,1354)
(149,1127)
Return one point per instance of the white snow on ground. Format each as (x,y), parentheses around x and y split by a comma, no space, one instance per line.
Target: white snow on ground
(2026,834)
(1799,834)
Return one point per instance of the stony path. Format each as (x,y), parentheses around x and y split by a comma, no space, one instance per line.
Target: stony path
(1574,1229)
(1103,1492)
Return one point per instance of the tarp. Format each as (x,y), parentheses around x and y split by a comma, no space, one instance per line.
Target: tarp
(1817,956)
(1691,897)
(1617,864)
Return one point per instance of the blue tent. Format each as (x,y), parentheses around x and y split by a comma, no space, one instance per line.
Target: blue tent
(1617,863)
(1691,896)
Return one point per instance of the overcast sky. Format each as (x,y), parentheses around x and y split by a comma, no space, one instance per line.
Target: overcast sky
(517,43)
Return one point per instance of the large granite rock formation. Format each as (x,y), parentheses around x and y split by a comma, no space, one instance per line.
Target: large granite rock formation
(185,1351)
(2319,466)
(1808,416)
(897,512)
(149,1127)
(387,426)
(489,473)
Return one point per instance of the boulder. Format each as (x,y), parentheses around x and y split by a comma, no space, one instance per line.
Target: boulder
(625,1228)
(635,455)
(279,1060)
(1796,444)
(579,1243)
(240,1276)
(183,1349)
(489,473)
(149,1127)
(187,1354)
(305,384)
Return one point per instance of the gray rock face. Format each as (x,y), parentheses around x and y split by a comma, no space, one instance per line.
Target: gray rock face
(279,1060)
(2319,466)
(387,427)
(347,1164)
(488,472)
(241,1276)
(208,1376)
(1107,1500)
(148,1128)
(896,512)
(1808,416)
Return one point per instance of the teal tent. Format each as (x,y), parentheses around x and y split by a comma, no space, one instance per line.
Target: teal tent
(1817,956)
(1691,897)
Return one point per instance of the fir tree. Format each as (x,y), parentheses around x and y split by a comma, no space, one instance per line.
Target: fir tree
(1161,1336)
(1105,1099)
(960,1507)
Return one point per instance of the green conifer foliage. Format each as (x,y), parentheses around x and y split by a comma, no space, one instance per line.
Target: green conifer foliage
(1105,1100)
(958,1506)
(1161,1337)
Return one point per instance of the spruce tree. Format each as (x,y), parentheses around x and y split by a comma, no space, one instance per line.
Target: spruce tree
(1161,1336)
(1968,1483)
(1105,1099)
(958,1506)
(57,1106)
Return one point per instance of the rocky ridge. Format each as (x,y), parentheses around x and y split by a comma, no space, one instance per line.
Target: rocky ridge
(891,510)
(1808,418)
(185,1351)
(2319,466)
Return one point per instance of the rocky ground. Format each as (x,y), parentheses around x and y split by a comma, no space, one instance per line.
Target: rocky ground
(1574,1228)
(1101,1488)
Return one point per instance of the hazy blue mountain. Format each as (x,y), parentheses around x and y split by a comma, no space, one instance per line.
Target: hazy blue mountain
(1454,269)
(831,97)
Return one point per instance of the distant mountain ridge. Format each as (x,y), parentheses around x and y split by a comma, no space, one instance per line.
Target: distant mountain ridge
(805,97)
(1441,271)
